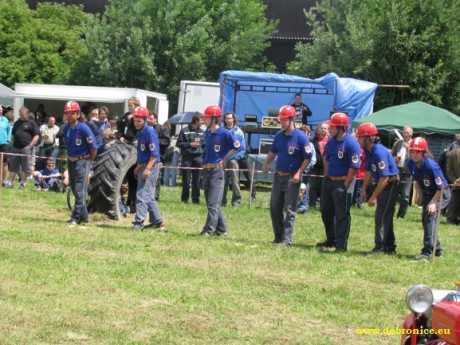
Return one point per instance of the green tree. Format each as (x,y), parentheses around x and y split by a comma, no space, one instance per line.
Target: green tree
(154,44)
(408,42)
(39,46)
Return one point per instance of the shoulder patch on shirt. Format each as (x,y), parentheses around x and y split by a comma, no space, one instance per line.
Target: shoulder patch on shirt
(89,139)
(438,180)
(355,159)
(382,165)
(237,144)
(307,148)
(152,147)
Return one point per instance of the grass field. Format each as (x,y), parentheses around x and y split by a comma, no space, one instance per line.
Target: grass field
(105,284)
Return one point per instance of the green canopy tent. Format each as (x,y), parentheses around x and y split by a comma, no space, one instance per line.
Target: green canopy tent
(421,116)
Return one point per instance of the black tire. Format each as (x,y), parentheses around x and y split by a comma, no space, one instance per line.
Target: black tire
(109,171)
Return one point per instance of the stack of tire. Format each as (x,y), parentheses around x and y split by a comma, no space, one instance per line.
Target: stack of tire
(109,171)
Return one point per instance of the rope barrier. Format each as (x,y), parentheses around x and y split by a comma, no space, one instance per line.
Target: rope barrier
(189,168)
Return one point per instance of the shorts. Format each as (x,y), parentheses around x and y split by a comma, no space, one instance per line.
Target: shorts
(31,159)
(19,163)
(5,148)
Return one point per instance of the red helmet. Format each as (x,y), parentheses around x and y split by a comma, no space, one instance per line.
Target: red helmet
(286,112)
(338,119)
(213,110)
(368,129)
(141,112)
(418,144)
(71,106)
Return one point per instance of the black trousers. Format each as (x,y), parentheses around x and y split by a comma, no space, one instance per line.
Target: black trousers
(194,174)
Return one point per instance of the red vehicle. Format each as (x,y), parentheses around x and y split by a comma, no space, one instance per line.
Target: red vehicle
(435,317)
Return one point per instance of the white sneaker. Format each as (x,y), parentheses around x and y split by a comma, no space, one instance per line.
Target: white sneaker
(22,185)
(9,184)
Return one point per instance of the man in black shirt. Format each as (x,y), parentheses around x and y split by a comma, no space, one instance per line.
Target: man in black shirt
(126,133)
(24,136)
(191,144)
(302,110)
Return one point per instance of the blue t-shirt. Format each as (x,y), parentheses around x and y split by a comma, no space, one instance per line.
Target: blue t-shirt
(147,145)
(429,176)
(79,140)
(342,155)
(291,149)
(218,144)
(5,131)
(380,162)
(46,172)
(239,135)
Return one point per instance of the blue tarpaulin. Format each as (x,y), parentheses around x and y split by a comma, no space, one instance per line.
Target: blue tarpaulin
(249,93)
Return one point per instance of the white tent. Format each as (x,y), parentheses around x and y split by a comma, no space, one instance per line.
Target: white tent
(6,95)
(53,98)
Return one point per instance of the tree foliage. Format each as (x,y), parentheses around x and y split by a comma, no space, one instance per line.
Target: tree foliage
(154,44)
(39,46)
(410,42)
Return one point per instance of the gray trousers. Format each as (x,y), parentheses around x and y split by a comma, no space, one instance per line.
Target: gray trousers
(213,189)
(386,203)
(283,198)
(145,198)
(78,180)
(429,223)
(404,190)
(234,175)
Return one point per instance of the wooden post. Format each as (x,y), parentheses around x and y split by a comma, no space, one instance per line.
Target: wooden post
(438,221)
(251,185)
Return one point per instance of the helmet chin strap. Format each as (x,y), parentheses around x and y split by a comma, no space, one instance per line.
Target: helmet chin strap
(341,128)
(289,124)
(210,124)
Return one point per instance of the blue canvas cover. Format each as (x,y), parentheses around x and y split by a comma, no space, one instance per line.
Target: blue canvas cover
(249,93)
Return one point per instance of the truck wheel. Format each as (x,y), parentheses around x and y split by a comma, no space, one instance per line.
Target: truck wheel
(109,171)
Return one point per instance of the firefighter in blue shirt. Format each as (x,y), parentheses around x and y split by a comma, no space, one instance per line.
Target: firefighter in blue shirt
(292,149)
(429,182)
(230,123)
(220,145)
(341,162)
(382,171)
(81,152)
(147,172)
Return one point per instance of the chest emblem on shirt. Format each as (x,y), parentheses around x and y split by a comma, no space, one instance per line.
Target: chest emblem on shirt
(78,142)
(438,180)
(142,147)
(291,150)
(374,168)
(89,140)
(340,154)
(382,165)
(217,148)
(426,182)
(152,147)
(354,159)
(307,149)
